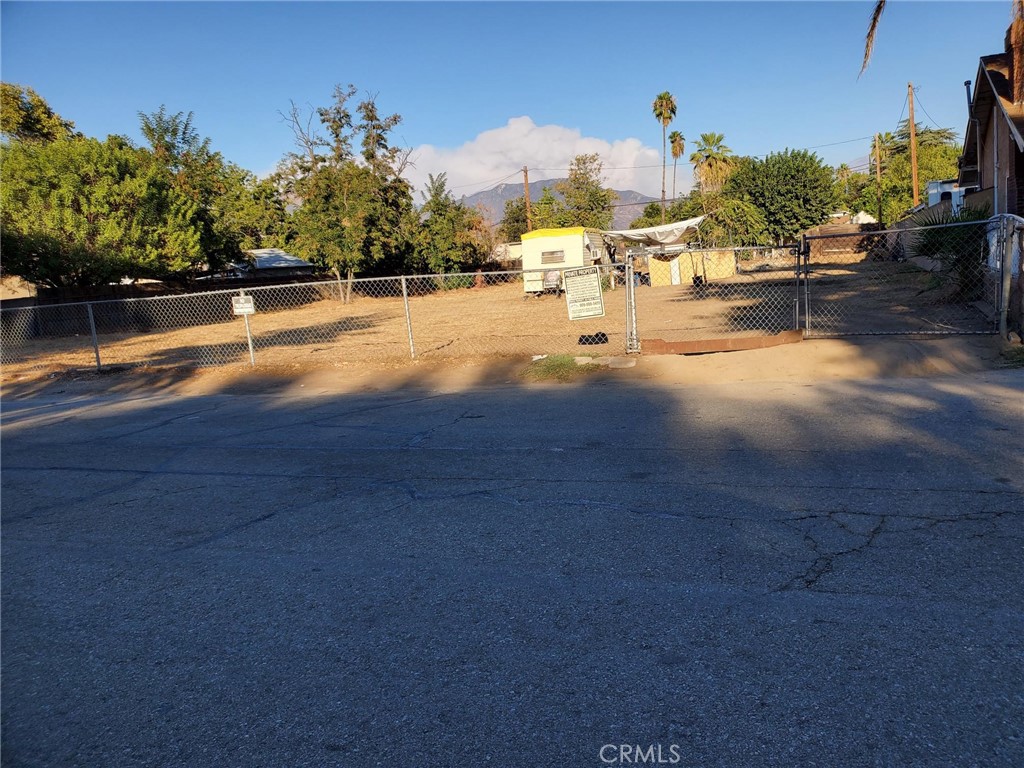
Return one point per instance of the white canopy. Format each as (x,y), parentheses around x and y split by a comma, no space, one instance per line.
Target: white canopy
(664,234)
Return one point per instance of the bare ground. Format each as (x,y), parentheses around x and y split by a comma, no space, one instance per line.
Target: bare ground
(493,322)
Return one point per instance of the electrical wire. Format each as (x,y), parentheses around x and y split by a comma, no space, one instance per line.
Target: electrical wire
(905,100)
(642,167)
(485,183)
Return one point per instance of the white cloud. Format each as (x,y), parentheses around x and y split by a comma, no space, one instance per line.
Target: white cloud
(547,151)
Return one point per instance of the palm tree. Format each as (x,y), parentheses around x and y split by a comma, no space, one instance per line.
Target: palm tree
(843,176)
(712,161)
(678,144)
(664,109)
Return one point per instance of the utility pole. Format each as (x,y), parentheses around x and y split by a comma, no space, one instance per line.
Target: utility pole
(526,195)
(878,174)
(913,143)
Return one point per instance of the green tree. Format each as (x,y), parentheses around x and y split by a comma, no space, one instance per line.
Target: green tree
(712,162)
(550,211)
(252,211)
(586,202)
(198,179)
(678,144)
(849,189)
(25,116)
(85,212)
(651,215)
(513,223)
(730,221)
(937,158)
(355,213)
(793,189)
(450,236)
(664,109)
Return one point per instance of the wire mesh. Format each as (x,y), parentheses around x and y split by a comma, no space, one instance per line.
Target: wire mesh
(329,323)
(512,314)
(926,280)
(715,294)
(51,336)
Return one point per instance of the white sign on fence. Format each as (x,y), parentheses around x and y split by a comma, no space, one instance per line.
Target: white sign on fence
(243,305)
(583,293)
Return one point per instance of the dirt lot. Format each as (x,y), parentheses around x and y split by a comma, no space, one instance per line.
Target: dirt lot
(316,329)
(815,360)
(492,321)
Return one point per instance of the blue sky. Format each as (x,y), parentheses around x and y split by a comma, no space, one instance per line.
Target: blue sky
(485,88)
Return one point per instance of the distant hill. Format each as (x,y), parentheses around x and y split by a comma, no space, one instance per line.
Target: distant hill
(491,202)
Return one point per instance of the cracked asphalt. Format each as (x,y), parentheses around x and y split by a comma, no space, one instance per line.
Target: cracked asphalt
(759,574)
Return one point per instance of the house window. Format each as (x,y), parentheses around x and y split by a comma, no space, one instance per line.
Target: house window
(552,257)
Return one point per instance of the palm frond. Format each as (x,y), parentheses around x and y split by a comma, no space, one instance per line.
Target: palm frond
(869,40)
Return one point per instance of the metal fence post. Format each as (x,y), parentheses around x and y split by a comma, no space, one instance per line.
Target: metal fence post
(248,336)
(632,340)
(805,250)
(408,318)
(1005,273)
(92,331)
(1020,279)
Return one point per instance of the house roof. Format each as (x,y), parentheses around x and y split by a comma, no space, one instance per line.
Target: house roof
(992,89)
(275,258)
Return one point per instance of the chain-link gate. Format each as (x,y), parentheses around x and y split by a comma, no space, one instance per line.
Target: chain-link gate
(708,299)
(927,280)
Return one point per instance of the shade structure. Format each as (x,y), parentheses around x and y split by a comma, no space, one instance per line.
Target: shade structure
(664,234)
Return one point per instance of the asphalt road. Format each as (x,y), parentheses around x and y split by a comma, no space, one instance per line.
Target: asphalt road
(745,575)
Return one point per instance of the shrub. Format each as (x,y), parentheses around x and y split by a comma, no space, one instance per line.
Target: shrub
(962,251)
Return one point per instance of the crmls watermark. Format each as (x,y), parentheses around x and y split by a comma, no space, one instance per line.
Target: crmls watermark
(640,754)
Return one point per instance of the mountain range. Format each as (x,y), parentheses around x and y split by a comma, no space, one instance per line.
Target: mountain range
(491,202)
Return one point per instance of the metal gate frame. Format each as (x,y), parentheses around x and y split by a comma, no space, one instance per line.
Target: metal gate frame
(1005,227)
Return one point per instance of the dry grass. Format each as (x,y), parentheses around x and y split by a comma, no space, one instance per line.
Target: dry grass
(562,368)
(473,323)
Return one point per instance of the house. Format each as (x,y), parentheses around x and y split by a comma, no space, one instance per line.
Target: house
(993,156)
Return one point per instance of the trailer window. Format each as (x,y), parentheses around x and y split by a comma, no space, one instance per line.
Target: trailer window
(552,257)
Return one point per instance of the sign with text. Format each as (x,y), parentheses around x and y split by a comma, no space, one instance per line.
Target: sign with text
(243,305)
(583,293)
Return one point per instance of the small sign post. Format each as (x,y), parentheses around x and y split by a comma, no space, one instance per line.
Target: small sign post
(244,305)
(583,293)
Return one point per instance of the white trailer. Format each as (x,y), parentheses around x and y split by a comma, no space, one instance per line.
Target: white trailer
(548,252)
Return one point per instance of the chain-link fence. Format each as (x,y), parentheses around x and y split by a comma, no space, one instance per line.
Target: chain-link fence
(924,280)
(937,280)
(329,323)
(717,293)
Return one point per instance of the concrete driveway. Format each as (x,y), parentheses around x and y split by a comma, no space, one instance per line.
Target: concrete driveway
(749,574)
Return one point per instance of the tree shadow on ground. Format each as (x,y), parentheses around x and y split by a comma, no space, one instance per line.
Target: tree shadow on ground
(332,334)
(446,572)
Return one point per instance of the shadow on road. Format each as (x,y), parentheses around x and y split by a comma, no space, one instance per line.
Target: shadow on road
(438,574)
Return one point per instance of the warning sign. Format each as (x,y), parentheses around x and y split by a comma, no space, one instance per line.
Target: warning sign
(243,305)
(583,293)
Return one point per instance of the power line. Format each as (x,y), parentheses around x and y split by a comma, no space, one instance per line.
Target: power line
(687,163)
(905,100)
(646,167)
(485,183)
(925,110)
